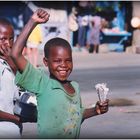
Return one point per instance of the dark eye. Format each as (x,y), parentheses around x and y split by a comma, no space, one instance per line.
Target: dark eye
(57,61)
(2,39)
(11,39)
(69,60)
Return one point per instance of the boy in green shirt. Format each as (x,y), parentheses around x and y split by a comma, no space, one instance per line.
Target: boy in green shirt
(60,112)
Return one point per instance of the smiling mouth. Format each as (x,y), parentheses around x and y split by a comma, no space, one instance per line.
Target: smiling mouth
(63,73)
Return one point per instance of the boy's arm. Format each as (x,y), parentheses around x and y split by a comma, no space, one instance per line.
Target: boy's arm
(9,60)
(40,16)
(9,117)
(5,55)
(100,108)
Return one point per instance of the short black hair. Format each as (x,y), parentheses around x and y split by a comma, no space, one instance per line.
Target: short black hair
(5,22)
(55,42)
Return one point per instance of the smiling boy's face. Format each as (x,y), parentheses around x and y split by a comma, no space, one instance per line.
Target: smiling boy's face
(60,63)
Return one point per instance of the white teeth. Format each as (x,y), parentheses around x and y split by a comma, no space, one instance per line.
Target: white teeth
(62,72)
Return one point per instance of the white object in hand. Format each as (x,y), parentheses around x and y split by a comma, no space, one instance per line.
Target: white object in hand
(102,91)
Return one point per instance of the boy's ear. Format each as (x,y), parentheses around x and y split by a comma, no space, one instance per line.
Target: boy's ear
(45,61)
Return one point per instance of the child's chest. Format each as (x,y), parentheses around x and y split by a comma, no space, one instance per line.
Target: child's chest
(69,88)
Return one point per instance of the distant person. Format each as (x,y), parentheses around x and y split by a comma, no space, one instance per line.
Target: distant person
(60,111)
(10,125)
(33,42)
(82,32)
(72,23)
(93,40)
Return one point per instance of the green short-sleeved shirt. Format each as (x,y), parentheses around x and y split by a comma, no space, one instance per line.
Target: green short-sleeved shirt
(59,114)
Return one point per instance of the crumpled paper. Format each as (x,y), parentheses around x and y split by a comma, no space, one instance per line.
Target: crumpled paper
(102,91)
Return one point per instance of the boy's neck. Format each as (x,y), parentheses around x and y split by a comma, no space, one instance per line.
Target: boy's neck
(66,85)
(64,82)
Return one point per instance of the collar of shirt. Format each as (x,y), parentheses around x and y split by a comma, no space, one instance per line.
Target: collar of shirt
(57,85)
(3,62)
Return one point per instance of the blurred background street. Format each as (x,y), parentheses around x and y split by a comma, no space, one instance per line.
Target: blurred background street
(121,73)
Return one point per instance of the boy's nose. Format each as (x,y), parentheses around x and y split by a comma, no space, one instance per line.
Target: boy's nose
(63,64)
(8,44)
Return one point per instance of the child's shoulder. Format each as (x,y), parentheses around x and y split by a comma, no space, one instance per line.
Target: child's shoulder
(4,65)
(43,70)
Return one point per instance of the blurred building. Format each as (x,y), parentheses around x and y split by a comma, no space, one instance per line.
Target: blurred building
(18,12)
(136,32)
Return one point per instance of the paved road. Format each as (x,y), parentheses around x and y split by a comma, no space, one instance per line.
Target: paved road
(121,73)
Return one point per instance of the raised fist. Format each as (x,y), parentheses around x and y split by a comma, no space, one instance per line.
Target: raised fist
(40,16)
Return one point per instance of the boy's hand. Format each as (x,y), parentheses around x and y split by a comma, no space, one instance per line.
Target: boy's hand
(5,52)
(40,16)
(102,107)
